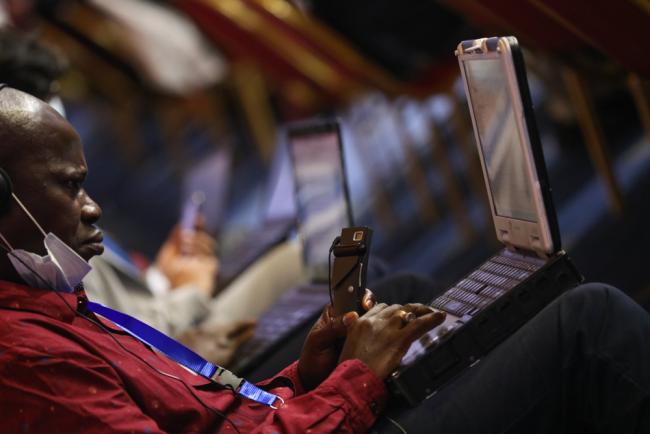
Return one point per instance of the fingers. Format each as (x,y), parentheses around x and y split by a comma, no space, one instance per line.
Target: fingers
(407,312)
(368,301)
(244,336)
(327,313)
(197,243)
(329,330)
(406,317)
(339,326)
(230,336)
(341,323)
(324,319)
(241,327)
(421,325)
(394,310)
(349,319)
(202,243)
(418,309)
(376,309)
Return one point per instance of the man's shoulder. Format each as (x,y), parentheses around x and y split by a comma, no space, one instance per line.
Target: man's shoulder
(24,330)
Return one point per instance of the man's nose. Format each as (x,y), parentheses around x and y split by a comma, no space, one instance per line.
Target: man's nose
(90,211)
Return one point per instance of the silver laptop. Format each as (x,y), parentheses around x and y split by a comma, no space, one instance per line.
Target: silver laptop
(491,302)
(323,206)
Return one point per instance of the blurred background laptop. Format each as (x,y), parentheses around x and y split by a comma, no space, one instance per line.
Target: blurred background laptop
(323,210)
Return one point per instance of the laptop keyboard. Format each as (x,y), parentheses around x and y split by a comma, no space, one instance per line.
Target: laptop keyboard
(491,280)
(475,292)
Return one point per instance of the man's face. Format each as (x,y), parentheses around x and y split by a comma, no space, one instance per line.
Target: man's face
(48,174)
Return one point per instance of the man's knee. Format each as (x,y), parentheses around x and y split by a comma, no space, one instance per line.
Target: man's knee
(598,301)
(592,292)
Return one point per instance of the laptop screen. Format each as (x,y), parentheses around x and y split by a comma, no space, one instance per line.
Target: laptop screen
(321,192)
(211,177)
(281,202)
(501,145)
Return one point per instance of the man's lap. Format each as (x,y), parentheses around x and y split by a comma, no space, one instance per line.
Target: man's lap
(534,381)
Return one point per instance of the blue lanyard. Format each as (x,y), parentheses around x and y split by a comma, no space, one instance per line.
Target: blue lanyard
(183,355)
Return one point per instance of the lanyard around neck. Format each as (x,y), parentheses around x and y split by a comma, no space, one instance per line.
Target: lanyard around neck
(184,356)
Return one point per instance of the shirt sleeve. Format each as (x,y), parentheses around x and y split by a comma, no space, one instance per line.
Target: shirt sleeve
(77,392)
(181,309)
(349,400)
(81,394)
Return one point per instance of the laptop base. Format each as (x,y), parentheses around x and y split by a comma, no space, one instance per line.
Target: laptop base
(462,343)
(293,309)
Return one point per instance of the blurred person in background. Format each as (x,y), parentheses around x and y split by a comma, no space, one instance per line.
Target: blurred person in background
(174,294)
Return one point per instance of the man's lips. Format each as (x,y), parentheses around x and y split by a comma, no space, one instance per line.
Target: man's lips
(94,243)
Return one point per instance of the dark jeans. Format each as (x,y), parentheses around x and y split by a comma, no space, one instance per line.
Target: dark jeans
(582,365)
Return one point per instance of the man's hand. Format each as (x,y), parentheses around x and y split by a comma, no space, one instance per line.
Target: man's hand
(218,343)
(381,337)
(320,353)
(189,258)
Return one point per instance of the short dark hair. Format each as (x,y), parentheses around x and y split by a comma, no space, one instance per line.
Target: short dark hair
(29,65)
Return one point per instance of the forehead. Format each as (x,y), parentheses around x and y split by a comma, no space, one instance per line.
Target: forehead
(35,138)
(55,143)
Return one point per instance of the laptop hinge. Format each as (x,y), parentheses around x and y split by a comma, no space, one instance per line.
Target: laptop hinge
(525,252)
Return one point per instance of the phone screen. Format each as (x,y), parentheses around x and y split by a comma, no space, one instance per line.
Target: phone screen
(191,211)
(503,152)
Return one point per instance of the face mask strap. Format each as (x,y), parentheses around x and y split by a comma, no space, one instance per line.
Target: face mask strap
(31,217)
(6,242)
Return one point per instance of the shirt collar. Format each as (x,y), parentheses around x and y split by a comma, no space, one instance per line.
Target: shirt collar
(58,305)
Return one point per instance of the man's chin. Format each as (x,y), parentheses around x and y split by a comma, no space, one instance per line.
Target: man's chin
(88,250)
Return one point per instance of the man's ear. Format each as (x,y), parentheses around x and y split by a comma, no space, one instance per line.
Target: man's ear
(6,189)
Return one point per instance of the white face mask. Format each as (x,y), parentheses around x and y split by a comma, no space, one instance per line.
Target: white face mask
(61,269)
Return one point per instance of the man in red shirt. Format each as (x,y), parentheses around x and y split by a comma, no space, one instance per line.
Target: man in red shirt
(65,369)
(581,365)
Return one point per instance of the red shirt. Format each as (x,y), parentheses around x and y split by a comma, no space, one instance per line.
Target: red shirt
(61,373)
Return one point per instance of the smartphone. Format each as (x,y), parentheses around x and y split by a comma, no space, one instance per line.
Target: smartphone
(349,270)
(189,216)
